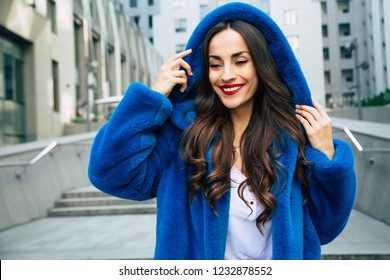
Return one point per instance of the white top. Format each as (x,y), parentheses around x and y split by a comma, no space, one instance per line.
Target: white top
(244,240)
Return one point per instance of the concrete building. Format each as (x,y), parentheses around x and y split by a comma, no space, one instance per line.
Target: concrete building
(57,57)
(208,5)
(300,21)
(142,12)
(174,25)
(356,49)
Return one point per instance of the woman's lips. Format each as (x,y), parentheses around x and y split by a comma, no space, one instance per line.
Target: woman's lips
(230,89)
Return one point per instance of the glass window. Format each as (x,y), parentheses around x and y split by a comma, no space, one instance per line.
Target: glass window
(133,3)
(347,75)
(8,77)
(324,9)
(325,52)
(151,2)
(179,4)
(150,21)
(345,53)
(136,20)
(325,31)
(13,79)
(56,91)
(52,15)
(349,98)
(294,42)
(344,29)
(327,76)
(343,6)
(12,101)
(19,78)
(181,25)
(179,47)
(291,17)
(204,3)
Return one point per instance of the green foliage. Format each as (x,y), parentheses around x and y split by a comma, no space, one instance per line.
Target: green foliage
(379,100)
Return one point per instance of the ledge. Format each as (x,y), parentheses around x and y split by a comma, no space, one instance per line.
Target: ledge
(379,130)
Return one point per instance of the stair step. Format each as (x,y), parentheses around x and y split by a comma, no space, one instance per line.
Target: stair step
(97,201)
(89,201)
(89,191)
(147,208)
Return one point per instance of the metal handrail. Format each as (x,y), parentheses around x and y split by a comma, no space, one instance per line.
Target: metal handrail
(34,160)
(360,148)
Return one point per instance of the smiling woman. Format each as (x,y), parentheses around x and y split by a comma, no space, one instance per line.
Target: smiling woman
(231,70)
(229,142)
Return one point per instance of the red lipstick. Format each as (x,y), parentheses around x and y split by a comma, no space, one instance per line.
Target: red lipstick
(230,89)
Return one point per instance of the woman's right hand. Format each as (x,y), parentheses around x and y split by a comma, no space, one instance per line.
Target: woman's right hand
(170,75)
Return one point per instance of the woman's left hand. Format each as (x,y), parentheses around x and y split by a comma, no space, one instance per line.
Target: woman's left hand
(318,127)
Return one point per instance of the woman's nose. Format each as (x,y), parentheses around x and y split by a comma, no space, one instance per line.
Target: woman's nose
(228,74)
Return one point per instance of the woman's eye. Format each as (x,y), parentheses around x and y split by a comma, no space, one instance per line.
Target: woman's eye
(215,66)
(241,62)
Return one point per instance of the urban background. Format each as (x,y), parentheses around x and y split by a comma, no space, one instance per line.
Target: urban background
(62,63)
(65,65)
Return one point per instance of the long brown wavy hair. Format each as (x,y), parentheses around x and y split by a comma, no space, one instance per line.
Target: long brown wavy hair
(262,142)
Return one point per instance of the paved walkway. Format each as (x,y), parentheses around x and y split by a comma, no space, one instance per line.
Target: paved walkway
(133,237)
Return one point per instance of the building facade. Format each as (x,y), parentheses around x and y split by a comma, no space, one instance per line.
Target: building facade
(300,21)
(58,57)
(174,25)
(356,50)
(207,5)
(142,13)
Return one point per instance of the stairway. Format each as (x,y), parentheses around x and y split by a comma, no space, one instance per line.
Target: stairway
(89,201)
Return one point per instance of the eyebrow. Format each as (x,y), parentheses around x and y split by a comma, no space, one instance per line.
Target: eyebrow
(233,55)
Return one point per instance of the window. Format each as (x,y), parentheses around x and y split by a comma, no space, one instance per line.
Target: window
(324,9)
(150,21)
(327,77)
(56,91)
(150,2)
(179,4)
(179,47)
(180,25)
(329,100)
(325,52)
(344,29)
(13,79)
(133,3)
(343,6)
(136,20)
(294,42)
(345,53)
(12,102)
(204,3)
(348,98)
(347,75)
(324,31)
(8,77)
(291,17)
(52,15)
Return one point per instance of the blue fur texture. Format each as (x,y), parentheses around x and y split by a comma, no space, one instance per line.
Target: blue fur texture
(135,156)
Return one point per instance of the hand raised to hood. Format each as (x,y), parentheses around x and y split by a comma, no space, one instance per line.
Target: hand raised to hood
(318,126)
(170,75)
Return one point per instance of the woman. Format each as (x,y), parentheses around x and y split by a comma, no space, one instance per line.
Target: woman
(217,140)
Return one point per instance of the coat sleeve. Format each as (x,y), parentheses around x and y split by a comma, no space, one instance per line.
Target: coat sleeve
(332,190)
(131,150)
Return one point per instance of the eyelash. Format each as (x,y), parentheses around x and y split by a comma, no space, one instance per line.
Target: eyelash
(238,63)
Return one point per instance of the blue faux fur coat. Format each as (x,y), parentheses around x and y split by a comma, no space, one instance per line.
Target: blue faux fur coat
(135,156)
